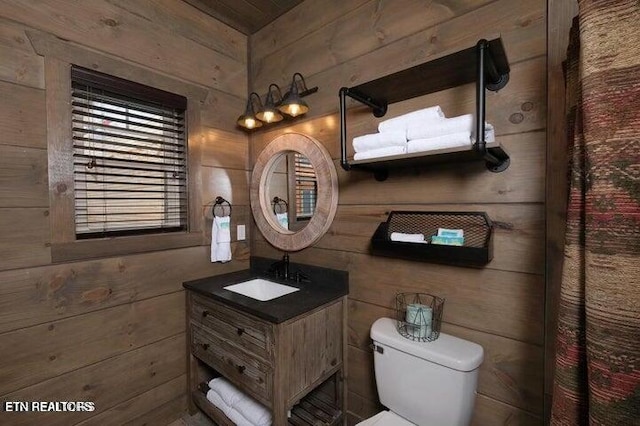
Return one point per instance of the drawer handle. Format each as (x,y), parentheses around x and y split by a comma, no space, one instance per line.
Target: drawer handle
(240,331)
(204,314)
(205,346)
(241,369)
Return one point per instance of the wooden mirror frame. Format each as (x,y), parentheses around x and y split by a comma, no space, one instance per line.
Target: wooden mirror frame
(327,196)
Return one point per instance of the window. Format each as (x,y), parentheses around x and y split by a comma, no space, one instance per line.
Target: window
(306,187)
(129,157)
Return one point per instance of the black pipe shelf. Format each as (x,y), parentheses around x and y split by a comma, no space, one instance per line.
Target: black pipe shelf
(485,64)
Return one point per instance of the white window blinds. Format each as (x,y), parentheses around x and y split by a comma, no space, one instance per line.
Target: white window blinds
(129,150)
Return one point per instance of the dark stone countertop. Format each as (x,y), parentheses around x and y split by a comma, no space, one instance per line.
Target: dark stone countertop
(326,285)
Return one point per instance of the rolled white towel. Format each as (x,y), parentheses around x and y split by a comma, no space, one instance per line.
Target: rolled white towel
(233,414)
(447,126)
(431,114)
(407,238)
(455,140)
(380,152)
(379,140)
(250,409)
(256,413)
(229,393)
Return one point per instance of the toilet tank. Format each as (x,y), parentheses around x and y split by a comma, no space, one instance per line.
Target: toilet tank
(427,383)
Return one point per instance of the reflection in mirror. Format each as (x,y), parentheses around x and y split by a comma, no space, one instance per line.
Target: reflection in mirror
(292,189)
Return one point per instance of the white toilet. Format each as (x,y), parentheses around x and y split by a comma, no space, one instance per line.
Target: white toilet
(423,383)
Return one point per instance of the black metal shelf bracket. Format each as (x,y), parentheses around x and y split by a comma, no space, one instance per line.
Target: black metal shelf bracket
(491,73)
(486,65)
(378,107)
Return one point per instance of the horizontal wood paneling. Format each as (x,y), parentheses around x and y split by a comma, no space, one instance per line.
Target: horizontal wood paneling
(20,67)
(230,184)
(48,293)
(306,18)
(479,299)
(521,24)
(110,29)
(224,149)
(180,18)
(24,238)
(22,115)
(490,412)
(379,24)
(48,350)
(106,383)
(23,177)
(171,394)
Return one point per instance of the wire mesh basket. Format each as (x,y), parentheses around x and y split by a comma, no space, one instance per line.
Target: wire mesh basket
(419,316)
(477,249)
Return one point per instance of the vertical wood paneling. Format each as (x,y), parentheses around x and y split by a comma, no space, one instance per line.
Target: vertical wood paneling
(500,306)
(108,330)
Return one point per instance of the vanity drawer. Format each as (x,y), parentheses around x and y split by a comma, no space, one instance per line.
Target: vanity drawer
(251,375)
(253,335)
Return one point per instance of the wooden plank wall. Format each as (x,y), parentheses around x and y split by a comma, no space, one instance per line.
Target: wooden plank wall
(501,307)
(109,330)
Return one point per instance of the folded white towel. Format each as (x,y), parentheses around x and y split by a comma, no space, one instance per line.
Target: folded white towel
(407,238)
(379,140)
(221,239)
(283,219)
(380,152)
(447,126)
(233,414)
(250,409)
(441,142)
(400,122)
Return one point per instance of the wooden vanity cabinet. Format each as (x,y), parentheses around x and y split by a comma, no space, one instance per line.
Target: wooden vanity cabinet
(280,365)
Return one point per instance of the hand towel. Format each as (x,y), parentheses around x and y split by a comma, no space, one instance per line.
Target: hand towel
(407,238)
(249,408)
(446,141)
(221,239)
(380,152)
(447,126)
(431,114)
(379,140)
(283,219)
(233,414)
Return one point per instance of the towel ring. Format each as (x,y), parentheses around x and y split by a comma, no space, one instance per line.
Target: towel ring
(220,202)
(277,201)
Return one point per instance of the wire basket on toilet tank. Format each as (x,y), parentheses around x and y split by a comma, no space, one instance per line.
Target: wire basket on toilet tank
(419,316)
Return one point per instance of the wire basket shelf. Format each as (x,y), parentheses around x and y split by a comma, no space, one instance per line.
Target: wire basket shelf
(419,316)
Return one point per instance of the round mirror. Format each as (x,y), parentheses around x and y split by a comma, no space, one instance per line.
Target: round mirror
(294,191)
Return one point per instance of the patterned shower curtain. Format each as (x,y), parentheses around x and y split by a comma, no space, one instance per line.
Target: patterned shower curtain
(597,377)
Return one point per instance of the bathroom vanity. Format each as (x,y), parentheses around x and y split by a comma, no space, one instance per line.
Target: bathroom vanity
(287,353)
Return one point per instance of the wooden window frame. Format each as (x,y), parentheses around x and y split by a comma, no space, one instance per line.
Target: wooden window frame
(59,55)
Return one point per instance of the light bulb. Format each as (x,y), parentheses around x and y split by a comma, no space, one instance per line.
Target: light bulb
(294,110)
(268,116)
(250,123)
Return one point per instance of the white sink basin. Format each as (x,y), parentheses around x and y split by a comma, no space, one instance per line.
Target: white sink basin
(261,289)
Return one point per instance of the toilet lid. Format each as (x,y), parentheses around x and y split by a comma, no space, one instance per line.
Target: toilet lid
(385,418)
